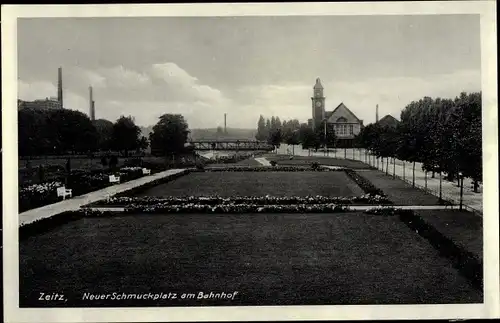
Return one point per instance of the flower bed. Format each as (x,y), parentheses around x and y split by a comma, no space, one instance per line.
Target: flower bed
(258,200)
(236,208)
(276,168)
(38,195)
(80,181)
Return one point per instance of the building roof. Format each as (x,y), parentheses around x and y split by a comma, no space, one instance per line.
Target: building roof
(388,120)
(342,105)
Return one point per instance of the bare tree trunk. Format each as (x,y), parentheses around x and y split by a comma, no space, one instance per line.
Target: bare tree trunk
(413,181)
(425,174)
(476,186)
(440,185)
(461,180)
(394,168)
(387,166)
(404,170)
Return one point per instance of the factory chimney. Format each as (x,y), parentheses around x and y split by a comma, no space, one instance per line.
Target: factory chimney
(59,87)
(376,114)
(225,123)
(92,105)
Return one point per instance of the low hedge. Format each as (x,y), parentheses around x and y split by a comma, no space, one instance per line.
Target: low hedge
(363,183)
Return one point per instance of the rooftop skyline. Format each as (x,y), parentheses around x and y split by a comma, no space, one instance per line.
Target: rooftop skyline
(203,67)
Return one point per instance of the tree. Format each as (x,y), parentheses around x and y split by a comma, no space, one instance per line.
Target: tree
(308,138)
(272,124)
(126,135)
(268,128)
(220,131)
(169,135)
(275,138)
(143,143)
(261,129)
(277,123)
(327,138)
(45,132)
(104,130)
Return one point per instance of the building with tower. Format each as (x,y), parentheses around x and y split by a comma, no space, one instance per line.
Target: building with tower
(341,120)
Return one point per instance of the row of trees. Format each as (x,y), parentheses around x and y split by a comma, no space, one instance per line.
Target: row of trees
(443,134)
(56,132)
(293,132)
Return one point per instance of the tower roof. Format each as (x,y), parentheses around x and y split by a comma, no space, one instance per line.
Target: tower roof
(318,84)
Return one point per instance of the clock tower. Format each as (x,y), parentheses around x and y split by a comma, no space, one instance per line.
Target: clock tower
(318,104)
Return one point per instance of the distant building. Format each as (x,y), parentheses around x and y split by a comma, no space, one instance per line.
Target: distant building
(341,120)
(47,104)
(388,121)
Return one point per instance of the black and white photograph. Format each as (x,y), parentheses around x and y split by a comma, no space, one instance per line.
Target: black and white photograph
(233,157)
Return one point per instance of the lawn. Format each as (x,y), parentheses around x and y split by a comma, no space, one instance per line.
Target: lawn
(304,160)
(259,184)
(464,228)
(397,190)
(285,259)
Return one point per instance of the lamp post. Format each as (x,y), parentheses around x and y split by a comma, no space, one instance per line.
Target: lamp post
(461,177)
(325,145)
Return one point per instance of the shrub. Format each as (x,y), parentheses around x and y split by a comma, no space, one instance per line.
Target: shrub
(315,165)
(273,163)
(113,161)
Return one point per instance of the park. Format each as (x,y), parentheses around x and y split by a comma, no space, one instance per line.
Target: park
(290,224)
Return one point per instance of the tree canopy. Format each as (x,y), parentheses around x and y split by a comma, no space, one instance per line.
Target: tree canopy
(45,132)
(169,135)
(442,134)
(125,135)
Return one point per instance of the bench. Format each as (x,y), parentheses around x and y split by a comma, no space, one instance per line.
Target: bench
(114,179)
(146,171)
(63,192)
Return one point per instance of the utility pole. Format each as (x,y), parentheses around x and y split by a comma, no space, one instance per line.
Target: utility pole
(325,145)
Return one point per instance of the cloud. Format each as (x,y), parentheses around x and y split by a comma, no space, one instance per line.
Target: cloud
(167,88)
(160,88)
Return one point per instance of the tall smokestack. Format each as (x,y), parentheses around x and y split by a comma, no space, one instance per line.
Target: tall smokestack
(59,87)
(376,114)
(91,105)
(225,124)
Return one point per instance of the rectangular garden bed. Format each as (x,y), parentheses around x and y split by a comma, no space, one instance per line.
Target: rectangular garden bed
(306,183)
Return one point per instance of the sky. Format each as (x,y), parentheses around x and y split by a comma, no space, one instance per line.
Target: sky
(203,67)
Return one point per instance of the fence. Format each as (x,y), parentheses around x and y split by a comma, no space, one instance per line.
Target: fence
(362,155)
(445,197)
